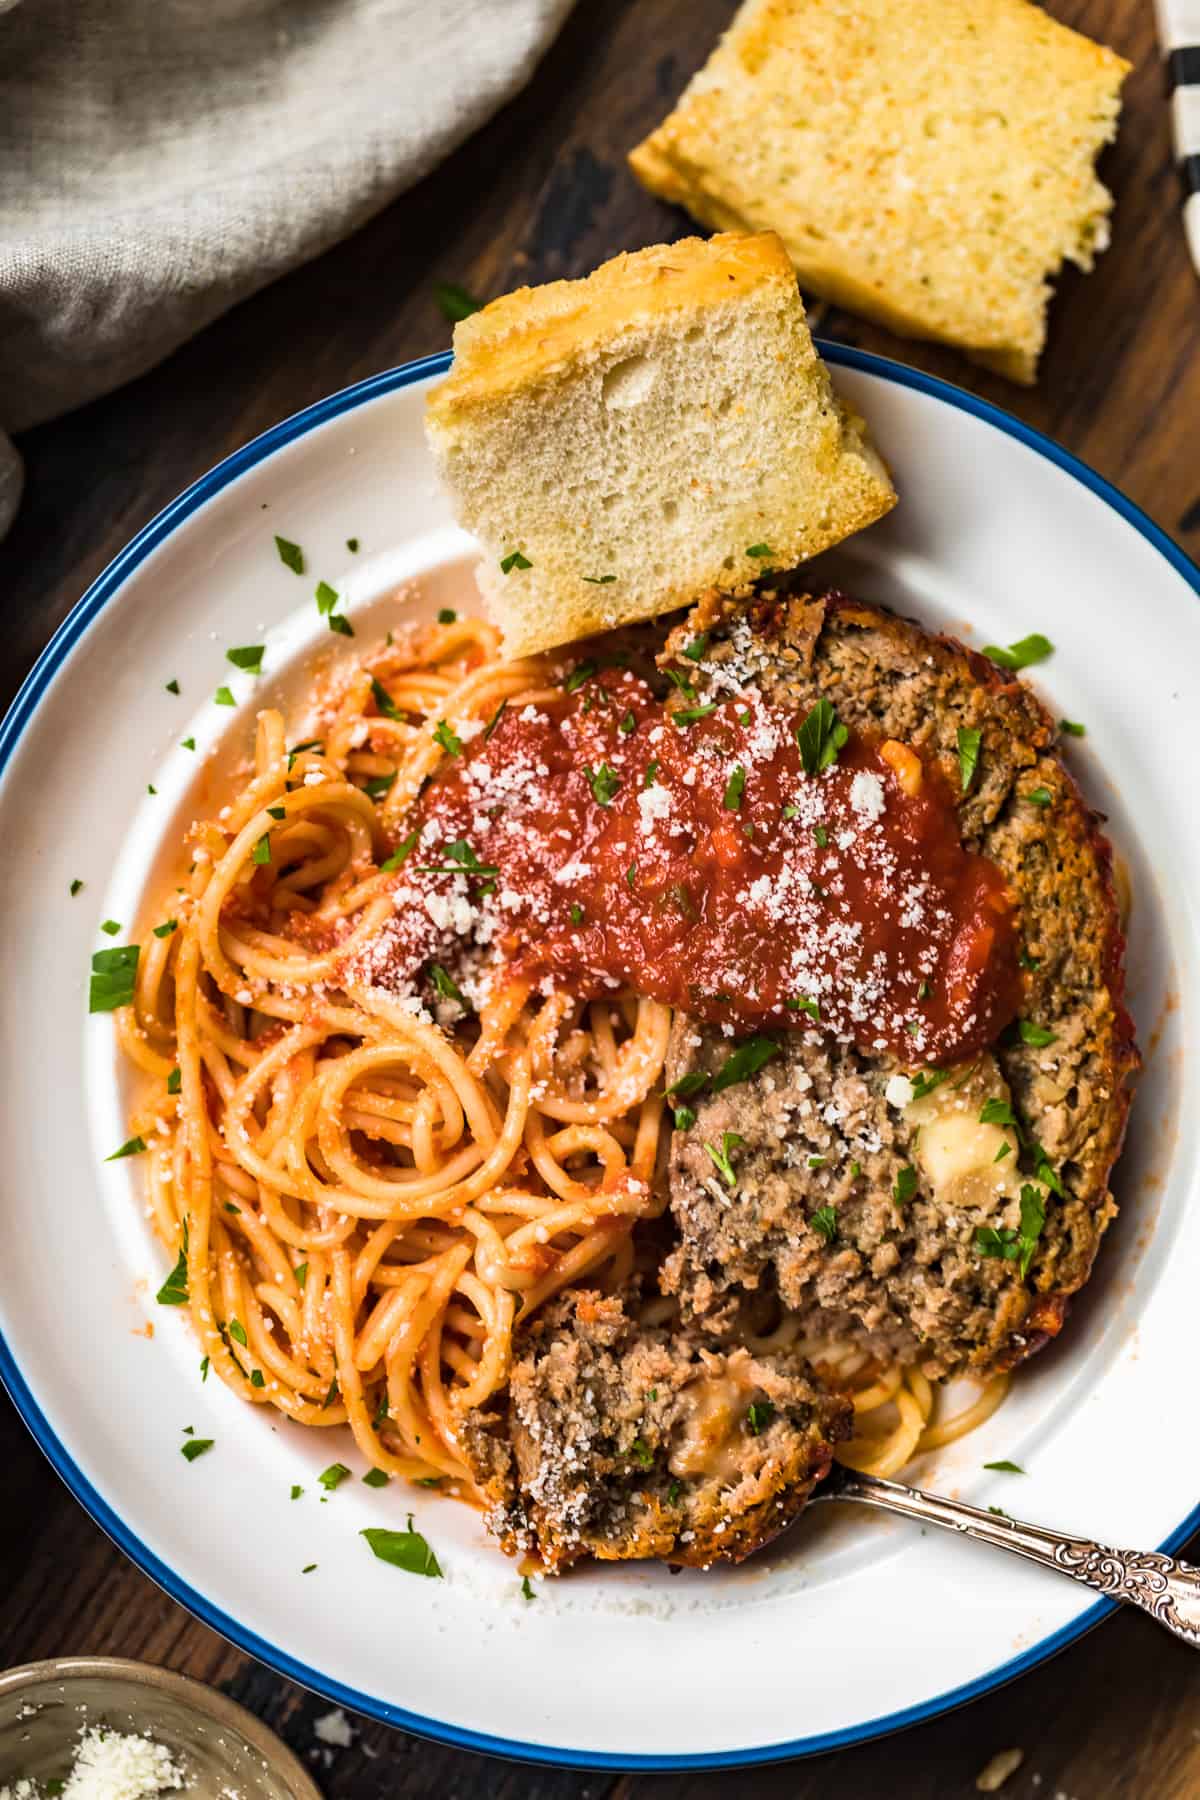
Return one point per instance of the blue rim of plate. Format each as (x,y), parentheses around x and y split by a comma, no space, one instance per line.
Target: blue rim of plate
(101,592)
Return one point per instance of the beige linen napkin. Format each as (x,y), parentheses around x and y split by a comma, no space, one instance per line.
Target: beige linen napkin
(162,159)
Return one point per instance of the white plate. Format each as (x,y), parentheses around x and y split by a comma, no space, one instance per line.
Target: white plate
(857,1624)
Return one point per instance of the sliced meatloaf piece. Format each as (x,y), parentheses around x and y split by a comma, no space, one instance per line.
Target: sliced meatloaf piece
(866,1212)
(620,1440)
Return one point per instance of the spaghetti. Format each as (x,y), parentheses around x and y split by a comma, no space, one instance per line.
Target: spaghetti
(368,1198)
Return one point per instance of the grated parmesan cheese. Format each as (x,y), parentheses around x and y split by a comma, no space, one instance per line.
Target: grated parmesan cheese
(110,1765)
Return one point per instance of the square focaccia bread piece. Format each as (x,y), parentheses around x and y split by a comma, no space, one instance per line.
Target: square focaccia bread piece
(929,165)
(620,444)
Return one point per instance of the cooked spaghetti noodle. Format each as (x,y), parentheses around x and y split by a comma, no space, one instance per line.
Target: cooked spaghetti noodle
(366,1202)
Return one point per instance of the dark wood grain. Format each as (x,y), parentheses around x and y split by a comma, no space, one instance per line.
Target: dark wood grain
(542,192)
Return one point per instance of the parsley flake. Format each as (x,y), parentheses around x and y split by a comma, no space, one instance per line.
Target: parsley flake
(327,597)
(111,927)
(526,1589)
(447,738)
(494,720)
(905,1185)
(721,1158)
(76,887)
(224,697)
(172,686)
(113,975)
(248,657)
(261,853)
(1072,727)
(383,700)
(454,302)
(196,1447)
(403,849)
(166,928)
(734,788)
(333,1476)
(446,615)
(340,623)
(1039,796)
(290,554)
(820,736)
(134,1146)
(599,580)
(352,546)
(1036,1035)
(745,1062)
(376,1478)
(514,560)
(969,740)
(1032,649)
(174,1081)
(825,1222)
(579,674)
(759,1414)
(406,1550)
(759,551)
(444,986)
(1005,1467)
(604,783)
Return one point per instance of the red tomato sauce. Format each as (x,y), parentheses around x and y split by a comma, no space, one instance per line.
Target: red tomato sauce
(600,842)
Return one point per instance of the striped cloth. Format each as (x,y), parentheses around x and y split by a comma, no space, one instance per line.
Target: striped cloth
(1179,38)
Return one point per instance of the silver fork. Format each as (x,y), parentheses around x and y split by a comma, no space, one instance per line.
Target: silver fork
(1164,1587)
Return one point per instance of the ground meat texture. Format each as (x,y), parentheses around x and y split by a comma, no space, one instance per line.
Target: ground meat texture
(619,1440)
(902,1269)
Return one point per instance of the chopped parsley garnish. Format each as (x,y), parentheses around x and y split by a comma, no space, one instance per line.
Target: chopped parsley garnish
(196,1447)
(406,1550)
(734,788)
(237,1332)
(682,681)
(927,1080)
(174,1081)
(333,1476)
(327,597)
(997,1112)
(1072,727)
(824,1222)
(1032,1033)
(695,650)
(759,551)
(999,1511)
(332,1393)
(248,657)
(174,1290)
(631,875)
(150,788)
(604,783)
(1027,650)
(383,700)
(744,1062)
(446,615)
(684,1117)
(301,1274)
(340,623)
(1045,1172)
(1015,1246)
(514,560)
(688,1084)
(297,1490)
(820,837)
(1029,962)
(352,546)
(188,743)
(113,976)
(308,1568)
(376,1478)
(261,853)
(599,580)
(204,1369)
(172,687)
(641,1453)
(277,812)
(673,1492)
(855,1170)
(460,859)
(651,772)
(1039,796)
(526,1588)
(579,674)
(627,725)
(290,554)
(1004,1150)
(576,914)
(820,736)
(444,986)
(298,750)
(720,1158)
(691,714)
(166,928)
(1005,1467)
(256,1378)
(811,1007)
(759,1414)
(224,697)
(969,740)
(134,1146)
(494,720)
(376,786)
(403,849)
(111,927)
(454,302)
(76,887)
(905,1186)
(447,738)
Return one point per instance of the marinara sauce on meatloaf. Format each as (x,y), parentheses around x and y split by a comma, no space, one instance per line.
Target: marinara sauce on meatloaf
(942,1212)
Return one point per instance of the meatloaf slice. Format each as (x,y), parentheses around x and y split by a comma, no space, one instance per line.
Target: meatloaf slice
(934,1264)
(620,1440)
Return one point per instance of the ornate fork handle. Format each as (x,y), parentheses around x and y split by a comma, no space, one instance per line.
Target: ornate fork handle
(1167,1589)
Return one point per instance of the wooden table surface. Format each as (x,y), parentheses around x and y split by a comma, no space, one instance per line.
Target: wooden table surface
(542,192)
